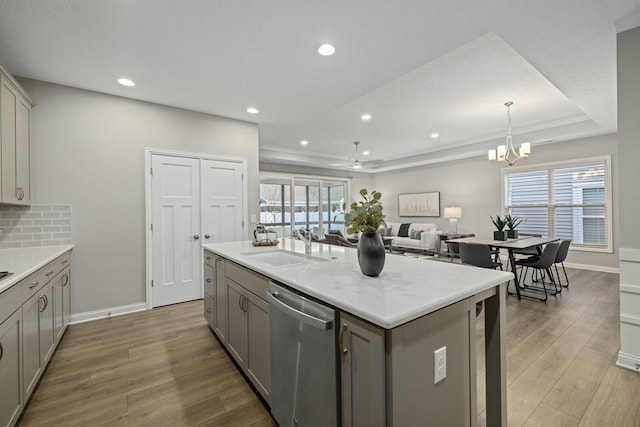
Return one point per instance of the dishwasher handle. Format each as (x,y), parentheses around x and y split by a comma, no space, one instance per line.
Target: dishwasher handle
(325,325)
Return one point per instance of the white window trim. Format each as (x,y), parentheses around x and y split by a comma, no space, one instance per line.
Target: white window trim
(571,163)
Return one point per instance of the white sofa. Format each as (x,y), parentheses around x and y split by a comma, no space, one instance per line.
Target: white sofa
(428,240)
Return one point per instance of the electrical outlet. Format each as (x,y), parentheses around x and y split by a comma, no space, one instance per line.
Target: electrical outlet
(439,364)
(254,219)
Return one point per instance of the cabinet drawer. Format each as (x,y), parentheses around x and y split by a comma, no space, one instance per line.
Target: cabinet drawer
(209,280)
(210,258)
(34,282)
(252,281)
(10,301)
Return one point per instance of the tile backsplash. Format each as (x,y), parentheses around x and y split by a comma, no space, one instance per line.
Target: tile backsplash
(33,226)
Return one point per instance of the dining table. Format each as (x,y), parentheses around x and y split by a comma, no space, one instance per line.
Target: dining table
(511,245)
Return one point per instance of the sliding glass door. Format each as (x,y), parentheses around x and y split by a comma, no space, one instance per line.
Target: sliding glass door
(287,204)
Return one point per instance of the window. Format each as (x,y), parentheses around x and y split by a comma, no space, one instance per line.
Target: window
(565,200)
(293,203)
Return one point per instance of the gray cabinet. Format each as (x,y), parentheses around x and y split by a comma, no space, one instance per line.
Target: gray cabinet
(11,396)
(248,325)
(220,297)
(209,293)
(15,136)
(362,355)
(37,311)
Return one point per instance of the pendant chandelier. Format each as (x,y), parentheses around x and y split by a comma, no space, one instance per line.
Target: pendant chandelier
(356,163)
(507,153)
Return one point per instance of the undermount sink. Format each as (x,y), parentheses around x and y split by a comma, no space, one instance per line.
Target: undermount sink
(281,258)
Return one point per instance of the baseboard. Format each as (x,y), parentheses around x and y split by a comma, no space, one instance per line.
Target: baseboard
(88,316)
(628,361)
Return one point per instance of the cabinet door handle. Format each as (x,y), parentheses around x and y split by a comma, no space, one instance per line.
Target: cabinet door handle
(33,285)
(43,306)
(343,349)
(64,261)
(207,236)
(209,280)
(19,193)
(240,302)
(208,309)
(208,258)
(1,351)
(65,280)
(48,273)
(246,303)
(46,302)
(196,237)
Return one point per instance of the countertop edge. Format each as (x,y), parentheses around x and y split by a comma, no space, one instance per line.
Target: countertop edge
(39,263)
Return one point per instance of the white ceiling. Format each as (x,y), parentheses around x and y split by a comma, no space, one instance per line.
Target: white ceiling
(417,67)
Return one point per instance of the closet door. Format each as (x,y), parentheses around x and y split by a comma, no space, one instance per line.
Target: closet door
(222,196)
(176,240)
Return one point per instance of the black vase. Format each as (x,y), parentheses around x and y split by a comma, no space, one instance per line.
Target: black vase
(371,254)
(512,234)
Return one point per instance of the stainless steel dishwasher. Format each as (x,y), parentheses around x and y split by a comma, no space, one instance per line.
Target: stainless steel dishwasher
(304,360)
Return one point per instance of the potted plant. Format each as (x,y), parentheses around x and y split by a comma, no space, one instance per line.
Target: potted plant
(500,223)
(512,224)
(272,236)
(366,217)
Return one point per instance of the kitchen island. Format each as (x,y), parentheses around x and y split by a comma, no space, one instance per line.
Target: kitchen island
(390,328)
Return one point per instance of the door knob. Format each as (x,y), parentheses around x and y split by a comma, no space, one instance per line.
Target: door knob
(207,236)
(196,237)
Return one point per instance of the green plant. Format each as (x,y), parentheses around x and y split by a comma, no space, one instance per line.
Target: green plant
(365,216)
(512,221)
(499,222)
(271,230)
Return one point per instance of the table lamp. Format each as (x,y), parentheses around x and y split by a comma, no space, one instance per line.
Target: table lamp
(453,214)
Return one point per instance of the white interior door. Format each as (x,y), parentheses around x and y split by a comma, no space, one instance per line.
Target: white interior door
(176,244)
(222,198)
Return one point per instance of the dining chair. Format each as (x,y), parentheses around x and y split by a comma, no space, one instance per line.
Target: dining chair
(478,255)
(453,248)
(563,250)
(528,251)
(542,265)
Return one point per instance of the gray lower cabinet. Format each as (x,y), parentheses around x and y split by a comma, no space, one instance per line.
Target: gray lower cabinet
(11,396)
(209,293)
(220,315)
(248,325)
(363,375)
(37,311)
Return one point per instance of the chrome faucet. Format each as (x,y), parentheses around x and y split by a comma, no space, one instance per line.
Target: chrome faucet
(306,240)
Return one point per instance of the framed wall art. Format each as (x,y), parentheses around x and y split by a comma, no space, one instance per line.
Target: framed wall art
(419,204)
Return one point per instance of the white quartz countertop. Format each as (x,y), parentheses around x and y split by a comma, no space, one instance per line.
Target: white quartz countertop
(406,289)
(22,262)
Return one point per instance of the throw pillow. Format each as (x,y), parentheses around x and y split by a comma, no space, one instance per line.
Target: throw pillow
(415,234)
(387,231)
(403,231)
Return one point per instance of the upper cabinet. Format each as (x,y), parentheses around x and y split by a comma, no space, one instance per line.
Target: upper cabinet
(15,138)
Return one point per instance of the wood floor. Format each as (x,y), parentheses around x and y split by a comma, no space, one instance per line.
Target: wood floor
(164,368)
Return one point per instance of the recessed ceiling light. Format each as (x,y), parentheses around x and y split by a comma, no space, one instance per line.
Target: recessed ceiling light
(326,50)
(252,110)
(304,142)
(126,82)
(366,117)
(435,135)
(365,153)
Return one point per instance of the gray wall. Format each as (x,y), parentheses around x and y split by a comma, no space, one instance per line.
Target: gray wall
(474,185)
(88,151)
(629,202)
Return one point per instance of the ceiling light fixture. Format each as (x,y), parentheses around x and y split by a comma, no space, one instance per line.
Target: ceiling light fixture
(304,142)
(252,110)
(126,82)
(507,153)
(435,135)
(366,117)
(326,50)
(356,163)
(365,153)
